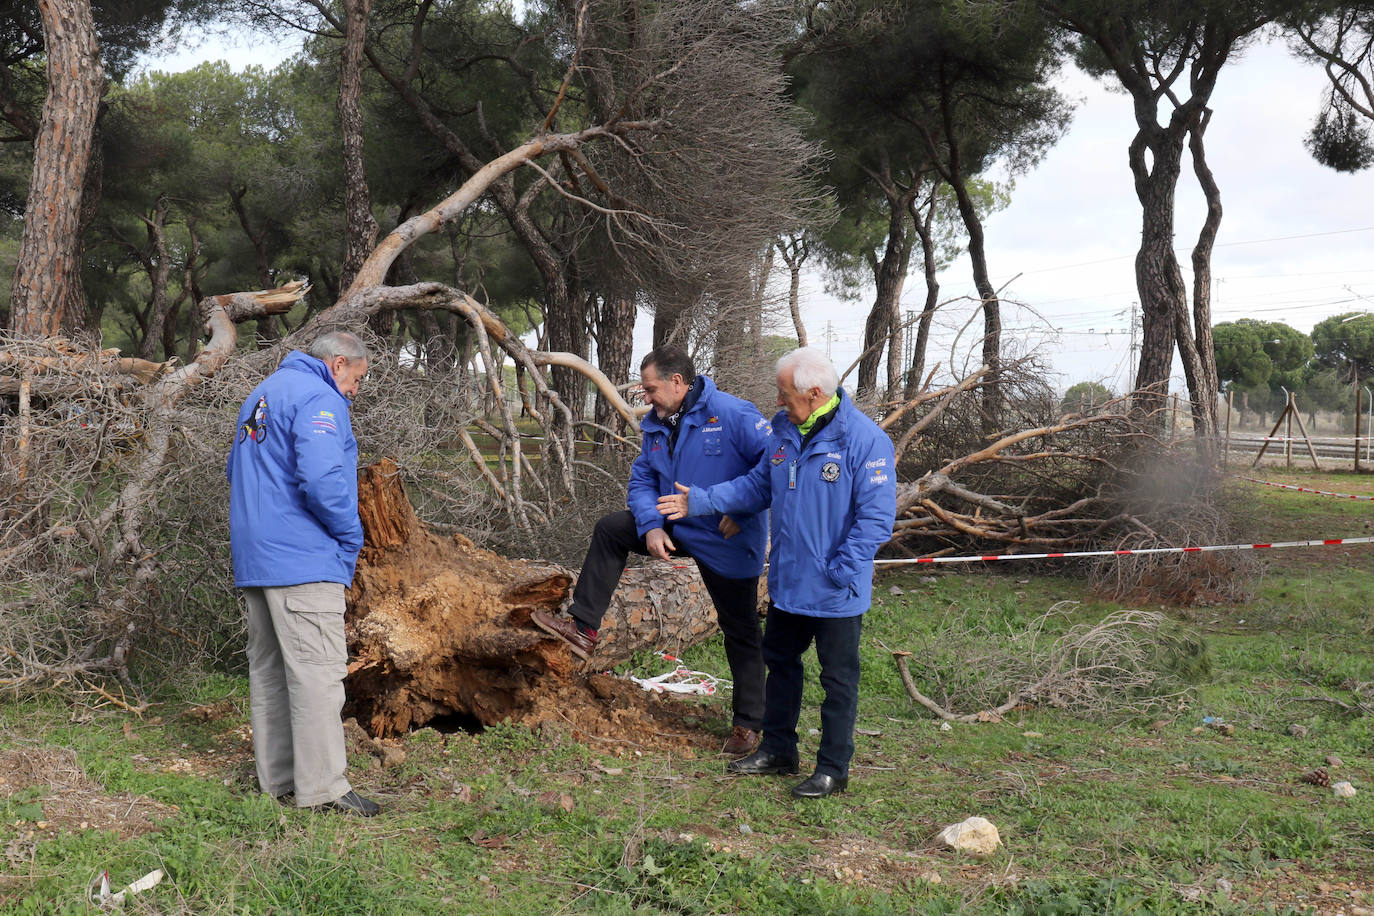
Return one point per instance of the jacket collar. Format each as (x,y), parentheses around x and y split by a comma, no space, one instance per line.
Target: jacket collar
(695,413)
(301,361)
(832,430)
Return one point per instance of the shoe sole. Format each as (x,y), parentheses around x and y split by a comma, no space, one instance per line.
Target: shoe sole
(576,650)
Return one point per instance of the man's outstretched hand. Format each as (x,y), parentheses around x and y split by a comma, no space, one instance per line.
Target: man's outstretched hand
(674,505)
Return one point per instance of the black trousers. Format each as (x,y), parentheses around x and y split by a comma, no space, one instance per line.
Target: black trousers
(837,649)
(613,539)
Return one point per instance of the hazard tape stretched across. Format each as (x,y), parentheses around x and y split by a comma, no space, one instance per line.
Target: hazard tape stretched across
(1289,486)
(1143,551)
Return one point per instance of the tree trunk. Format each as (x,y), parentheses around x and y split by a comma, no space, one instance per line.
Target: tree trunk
(47,297)
(1158,277)
(159,267)
(992,308)
(794,251)
(1201,350)
(614,347)
(924,224)
(361,228)
(439,628)
(889,275)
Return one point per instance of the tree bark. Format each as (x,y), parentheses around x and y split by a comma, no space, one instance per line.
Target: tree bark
(47,297)
(361,227)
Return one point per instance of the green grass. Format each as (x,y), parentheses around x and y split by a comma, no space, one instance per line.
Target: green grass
(1098,815)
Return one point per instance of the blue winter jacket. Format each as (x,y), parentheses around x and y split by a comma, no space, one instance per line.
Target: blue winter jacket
(719,437)
(293,480)
(833,507)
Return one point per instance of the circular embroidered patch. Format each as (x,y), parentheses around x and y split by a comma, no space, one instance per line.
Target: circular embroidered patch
(830,472)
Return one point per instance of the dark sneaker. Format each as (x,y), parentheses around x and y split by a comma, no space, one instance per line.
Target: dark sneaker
(351,803)
(580,639)
(741,741)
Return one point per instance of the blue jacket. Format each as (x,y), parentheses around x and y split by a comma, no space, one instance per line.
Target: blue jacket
(719,437)
(293,480)
(833,507)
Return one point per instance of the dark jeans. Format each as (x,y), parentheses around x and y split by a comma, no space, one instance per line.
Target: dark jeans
(786,636)
(736,600)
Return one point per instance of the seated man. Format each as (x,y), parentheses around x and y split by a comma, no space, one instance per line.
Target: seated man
(698,434)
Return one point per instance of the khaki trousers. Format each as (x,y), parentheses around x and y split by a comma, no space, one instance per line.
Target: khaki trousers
(296,664)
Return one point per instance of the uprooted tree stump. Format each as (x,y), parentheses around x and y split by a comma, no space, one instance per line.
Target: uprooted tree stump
(438,627)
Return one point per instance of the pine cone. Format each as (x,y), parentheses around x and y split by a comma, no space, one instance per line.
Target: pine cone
(1317,777)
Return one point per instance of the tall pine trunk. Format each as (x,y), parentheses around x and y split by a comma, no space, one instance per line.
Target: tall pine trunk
(47,297)
(361,227)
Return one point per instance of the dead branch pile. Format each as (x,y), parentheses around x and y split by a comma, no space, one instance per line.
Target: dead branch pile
(1048,482)
(1129,664)
(113,501)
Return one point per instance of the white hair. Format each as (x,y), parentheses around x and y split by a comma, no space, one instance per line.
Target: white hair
(339,343)
(810,368)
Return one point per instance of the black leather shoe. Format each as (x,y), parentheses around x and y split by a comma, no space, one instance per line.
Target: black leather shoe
(762,763)
(351,803)
(819,785)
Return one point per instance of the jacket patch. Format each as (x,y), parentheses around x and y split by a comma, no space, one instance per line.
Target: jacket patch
(778,457)
(255,427)
(830,472)
(323,423)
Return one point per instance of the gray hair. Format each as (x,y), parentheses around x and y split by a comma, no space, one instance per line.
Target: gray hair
(338,343)
(810,369)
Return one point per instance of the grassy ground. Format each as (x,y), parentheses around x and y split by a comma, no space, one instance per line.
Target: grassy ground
(1154,814)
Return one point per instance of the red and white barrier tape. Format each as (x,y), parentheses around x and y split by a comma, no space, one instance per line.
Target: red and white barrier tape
(1289,486)
(1329,542)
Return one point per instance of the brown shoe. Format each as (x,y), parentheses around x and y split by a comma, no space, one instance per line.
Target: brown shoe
(742,741)
(581,641)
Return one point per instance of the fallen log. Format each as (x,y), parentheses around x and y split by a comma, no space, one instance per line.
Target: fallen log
(439,628)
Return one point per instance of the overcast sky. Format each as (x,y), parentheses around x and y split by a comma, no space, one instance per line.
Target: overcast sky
(1294,242)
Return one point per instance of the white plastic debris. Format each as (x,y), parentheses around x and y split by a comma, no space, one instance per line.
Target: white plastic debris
(105,898)
(681,680)
(976,835)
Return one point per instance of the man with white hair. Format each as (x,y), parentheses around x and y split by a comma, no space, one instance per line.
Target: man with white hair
(828,475)
(295,535)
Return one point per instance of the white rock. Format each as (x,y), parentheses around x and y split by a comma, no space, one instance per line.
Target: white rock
(976,835)
(946,727)
(896,590)
(1342,790)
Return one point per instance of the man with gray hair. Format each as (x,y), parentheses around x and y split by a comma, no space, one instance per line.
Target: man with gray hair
(829,478)
(295,535)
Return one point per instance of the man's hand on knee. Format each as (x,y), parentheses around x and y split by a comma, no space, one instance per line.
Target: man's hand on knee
(659,544)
